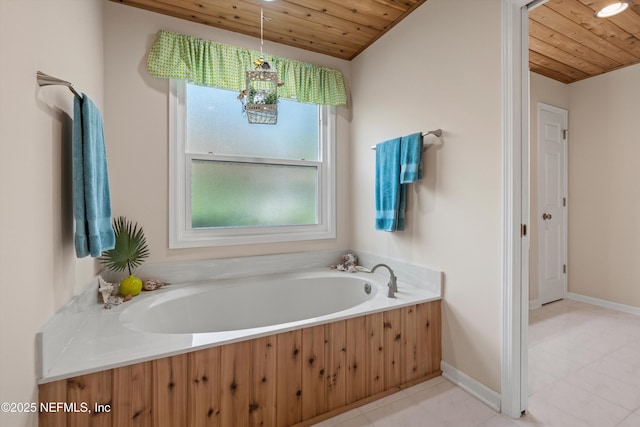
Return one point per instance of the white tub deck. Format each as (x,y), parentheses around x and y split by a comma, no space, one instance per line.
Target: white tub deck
(90,339)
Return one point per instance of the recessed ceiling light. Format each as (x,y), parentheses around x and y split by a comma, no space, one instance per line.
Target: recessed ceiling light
(612,9)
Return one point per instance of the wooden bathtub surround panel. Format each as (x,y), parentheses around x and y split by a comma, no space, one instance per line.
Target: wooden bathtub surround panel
(314,371)
(204,388)
(292,378)
(53,392)
(92,388)
(235,363)
(289,378)
(336,363)
(424,329)
(170,390)
(392,339)
(375,353)
(409,344)
(262,406)
(132,395)
(356,374)
(430,318)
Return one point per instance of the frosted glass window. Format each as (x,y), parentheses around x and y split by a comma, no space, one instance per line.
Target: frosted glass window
(233,183)
(215,124)
(228,194)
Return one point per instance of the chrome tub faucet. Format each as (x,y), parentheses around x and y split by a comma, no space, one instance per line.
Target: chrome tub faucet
(392,285)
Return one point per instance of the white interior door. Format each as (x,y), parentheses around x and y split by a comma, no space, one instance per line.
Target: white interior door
(552,203)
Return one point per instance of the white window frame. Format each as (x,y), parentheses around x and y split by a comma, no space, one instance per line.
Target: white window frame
(182,235)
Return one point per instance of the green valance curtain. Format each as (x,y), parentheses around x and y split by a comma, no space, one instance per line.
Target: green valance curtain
(207,63)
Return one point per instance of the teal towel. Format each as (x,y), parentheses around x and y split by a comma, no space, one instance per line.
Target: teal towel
(388,188)
(411,158)
(91,198)
(398,162)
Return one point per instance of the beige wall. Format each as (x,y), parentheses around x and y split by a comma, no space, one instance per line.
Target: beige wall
(604,174)
(137,130)
(551,92)
(38,268)
(427,73)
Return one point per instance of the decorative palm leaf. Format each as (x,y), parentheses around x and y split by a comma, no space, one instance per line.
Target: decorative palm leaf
(131,246)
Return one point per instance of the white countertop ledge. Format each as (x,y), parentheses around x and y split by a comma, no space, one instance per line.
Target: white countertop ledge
(84,337)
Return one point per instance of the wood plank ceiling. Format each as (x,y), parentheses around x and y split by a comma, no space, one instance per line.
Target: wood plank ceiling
(339,28)
(566,42)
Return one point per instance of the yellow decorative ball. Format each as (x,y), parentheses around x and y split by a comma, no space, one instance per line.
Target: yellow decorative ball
(132,285)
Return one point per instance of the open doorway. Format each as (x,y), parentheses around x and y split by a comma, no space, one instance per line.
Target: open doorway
(516,205)
(604,235)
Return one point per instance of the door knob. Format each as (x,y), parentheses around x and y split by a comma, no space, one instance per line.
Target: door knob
(546,216)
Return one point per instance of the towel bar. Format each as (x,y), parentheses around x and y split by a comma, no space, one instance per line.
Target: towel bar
(47,80)
(437,132)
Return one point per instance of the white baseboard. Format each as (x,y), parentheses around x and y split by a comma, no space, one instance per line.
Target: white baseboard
(535,304)
(478,390)
(604,303)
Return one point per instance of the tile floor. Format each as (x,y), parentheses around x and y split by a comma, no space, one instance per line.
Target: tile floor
(584,370)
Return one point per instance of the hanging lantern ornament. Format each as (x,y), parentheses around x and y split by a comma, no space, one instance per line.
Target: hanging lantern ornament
(260,98)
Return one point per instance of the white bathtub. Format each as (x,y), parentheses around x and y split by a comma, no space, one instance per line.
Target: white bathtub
(252,302)
(190,316)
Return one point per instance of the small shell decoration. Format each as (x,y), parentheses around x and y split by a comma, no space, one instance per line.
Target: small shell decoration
(152,285)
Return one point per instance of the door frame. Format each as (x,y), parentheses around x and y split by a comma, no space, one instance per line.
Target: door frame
(565,189)
(515,206)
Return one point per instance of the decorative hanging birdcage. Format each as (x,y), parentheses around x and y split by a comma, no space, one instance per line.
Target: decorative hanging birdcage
(260,96)
(261,102)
